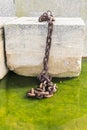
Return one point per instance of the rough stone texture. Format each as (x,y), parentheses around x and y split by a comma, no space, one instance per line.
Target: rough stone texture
(58,7)
(84,16)
(35,7)
(3,68)
(64,8)
(25,46)
(7,8)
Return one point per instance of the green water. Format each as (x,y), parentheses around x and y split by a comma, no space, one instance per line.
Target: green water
(66,110)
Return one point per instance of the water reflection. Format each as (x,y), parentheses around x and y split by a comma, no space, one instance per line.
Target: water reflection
(70,102)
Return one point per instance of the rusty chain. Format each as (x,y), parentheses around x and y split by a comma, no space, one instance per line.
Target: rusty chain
(46,87)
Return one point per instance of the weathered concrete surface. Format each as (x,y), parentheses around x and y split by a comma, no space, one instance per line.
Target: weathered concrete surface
(35,7)
(64,8)
(25,46)
(84,16)
(58,7)
(7,8)
(3,68)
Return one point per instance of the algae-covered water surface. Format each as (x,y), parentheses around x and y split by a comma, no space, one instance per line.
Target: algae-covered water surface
(66,110)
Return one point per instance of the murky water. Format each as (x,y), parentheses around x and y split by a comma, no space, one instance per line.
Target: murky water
(66,110)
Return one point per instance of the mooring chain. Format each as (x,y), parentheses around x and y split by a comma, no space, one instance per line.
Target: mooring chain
(46,87)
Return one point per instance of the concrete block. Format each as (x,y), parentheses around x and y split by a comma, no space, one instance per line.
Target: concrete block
(25,46)
(7,8)
(35,7)
(3,67)
(84,16)
(63,8)
(58,7)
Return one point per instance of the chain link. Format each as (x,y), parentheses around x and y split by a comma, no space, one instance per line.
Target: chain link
(46,87)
